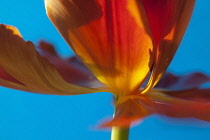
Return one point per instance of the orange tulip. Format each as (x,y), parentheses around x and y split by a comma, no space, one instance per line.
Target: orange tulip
(120,42)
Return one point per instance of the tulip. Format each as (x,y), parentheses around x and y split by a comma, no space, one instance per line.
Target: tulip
(120,44)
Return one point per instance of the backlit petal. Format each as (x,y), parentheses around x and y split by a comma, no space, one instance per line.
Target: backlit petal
(168,20)
(21,61)
(111,37)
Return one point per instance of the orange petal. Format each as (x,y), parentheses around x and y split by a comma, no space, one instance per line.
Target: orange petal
(4,75)
(171,82)
(168,20)
(7,80)
(20,60)
(129,110)
(13,85)
(110,37)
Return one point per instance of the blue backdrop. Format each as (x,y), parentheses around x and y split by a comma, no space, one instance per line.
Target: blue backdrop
(28,116)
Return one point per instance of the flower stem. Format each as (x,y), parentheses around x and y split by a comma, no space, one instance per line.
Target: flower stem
(120,133)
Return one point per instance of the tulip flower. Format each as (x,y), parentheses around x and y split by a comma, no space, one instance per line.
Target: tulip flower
(121,44)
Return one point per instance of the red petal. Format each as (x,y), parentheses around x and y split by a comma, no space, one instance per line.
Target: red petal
(203,112)
(164,15)
(168,20)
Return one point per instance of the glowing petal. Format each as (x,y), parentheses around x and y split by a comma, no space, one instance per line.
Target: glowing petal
(168,20)
(21,61)
(110,37)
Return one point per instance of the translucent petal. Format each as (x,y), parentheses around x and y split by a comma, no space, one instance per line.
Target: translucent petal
(21,61)
(111,37)
(168,20)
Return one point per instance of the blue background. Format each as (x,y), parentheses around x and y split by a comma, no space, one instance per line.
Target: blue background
(28,116)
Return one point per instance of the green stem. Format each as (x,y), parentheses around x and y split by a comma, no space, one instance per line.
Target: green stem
(119,133)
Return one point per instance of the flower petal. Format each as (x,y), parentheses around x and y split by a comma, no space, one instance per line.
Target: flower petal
(130,110)
(4,75)
(171,82)
(111,38)
(168,20)
(7,81)
(20,60)
(180,108)
(70,69)
(195,95)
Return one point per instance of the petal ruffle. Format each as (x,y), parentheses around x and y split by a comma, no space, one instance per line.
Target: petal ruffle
(111,37)
(168,20)
(21,61)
